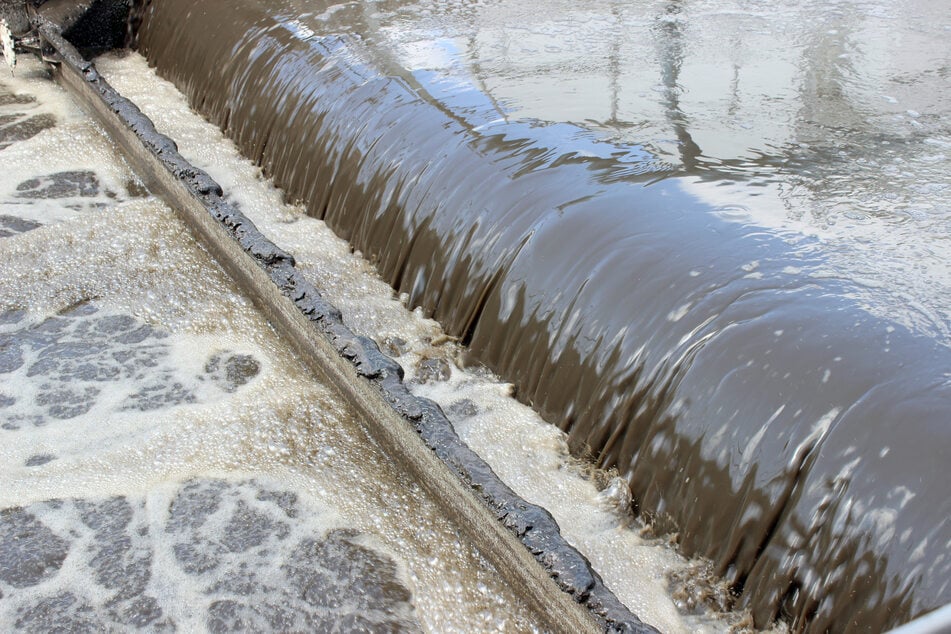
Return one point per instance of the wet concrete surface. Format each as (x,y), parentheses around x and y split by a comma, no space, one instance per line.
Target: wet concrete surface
(773,414)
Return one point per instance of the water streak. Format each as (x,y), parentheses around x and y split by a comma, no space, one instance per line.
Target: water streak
(723,367)
(167,462)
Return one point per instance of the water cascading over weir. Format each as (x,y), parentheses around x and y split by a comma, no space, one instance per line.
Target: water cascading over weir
(779,426)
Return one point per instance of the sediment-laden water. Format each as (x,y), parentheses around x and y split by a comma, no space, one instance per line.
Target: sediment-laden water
(164,446)
(821,118)
(781,410)
(530,455)
(167,464)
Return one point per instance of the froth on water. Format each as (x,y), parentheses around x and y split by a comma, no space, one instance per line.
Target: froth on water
(206,553)
(529,454)
(167,463)
(742,374)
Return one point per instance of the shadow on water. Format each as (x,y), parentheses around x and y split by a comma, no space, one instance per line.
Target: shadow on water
(753,404)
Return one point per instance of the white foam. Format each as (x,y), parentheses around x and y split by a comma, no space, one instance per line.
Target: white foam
(6,45)
(72,145)
(131,260)
(529,454)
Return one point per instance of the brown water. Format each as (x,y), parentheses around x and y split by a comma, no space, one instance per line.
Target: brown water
(166,462)
(761,399)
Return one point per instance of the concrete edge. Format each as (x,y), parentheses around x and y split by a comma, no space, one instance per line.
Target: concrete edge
(514,535)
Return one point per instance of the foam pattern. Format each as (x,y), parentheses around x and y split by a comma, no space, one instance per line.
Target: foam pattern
(168,464)
(225,555)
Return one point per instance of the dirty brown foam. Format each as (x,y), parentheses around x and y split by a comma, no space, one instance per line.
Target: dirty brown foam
(780,428)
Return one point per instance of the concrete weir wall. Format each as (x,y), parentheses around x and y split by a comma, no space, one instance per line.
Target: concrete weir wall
(779,426)
(785,430)
(544,571)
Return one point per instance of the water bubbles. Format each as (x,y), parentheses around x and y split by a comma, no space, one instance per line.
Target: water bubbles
(211,395)
(617,496)
(530,454)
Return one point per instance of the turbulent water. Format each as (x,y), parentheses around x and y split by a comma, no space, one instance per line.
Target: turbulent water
(749,325)
(167,464)
(528,454)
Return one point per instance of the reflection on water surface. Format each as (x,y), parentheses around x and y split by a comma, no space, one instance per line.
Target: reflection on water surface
(826,118)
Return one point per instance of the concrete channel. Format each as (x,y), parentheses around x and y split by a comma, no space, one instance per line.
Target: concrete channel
(521,540)
(755,541)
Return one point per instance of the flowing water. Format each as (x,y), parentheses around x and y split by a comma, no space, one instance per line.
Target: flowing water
(167,464)
(705,239)
(530,455)
(822,118)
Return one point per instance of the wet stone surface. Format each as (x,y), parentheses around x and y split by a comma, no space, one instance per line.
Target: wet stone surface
(243,556)
(65,365)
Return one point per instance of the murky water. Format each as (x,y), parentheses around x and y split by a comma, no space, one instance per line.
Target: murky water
(482,409)
(826,118)
(166,462)
(685,300)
